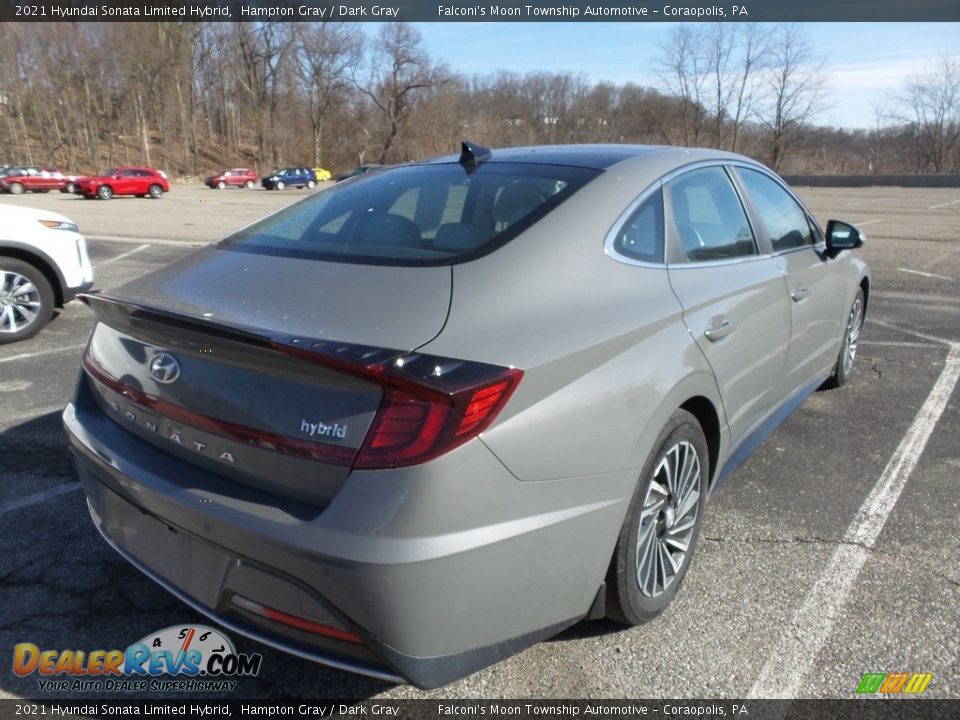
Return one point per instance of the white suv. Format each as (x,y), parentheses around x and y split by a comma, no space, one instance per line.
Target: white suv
(43,264)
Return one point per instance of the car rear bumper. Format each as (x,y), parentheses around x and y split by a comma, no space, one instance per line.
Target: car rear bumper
(429,607)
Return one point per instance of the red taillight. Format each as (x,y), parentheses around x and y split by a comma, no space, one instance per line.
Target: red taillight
(430,405)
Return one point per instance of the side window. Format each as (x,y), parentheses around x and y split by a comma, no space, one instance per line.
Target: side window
(641,238)
(708,217)
(783,219)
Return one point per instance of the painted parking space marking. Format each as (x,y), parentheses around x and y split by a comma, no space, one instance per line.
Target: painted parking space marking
(943,205)
(895,343)
(805,635)
(121,256)
(40,353)
(925,274)
(915,333)
(37,498)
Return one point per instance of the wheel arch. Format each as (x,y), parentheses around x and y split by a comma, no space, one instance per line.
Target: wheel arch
(703,409)
(40,261)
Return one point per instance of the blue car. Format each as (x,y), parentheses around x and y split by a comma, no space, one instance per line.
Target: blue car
(290,177)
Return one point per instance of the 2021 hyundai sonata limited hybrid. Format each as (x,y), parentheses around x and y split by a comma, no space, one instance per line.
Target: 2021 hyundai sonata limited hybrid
(421,420)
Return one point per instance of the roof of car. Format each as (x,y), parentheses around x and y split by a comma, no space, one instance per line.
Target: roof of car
(592,156)
(599,157)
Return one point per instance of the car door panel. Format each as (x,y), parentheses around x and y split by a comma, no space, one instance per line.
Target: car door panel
(812,282)
(738,315)
(733,298)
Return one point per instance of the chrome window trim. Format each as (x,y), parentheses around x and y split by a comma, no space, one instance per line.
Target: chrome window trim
(714,263)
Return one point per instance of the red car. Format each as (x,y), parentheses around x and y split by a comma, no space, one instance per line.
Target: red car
(238,177)
(143,181)
(32,179)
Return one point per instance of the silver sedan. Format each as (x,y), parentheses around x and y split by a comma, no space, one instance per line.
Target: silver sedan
(439,412)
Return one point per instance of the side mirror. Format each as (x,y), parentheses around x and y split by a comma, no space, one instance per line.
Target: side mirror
(843,236)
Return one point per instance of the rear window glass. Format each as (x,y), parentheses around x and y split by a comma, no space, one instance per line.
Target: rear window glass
(416,215)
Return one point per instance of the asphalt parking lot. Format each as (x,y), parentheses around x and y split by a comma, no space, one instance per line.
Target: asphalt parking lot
(832,552)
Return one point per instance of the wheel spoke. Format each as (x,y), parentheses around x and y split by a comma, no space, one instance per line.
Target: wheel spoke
(674,564)
(23,289)
(647,568)
(7,319)
(688,503)
(27,314)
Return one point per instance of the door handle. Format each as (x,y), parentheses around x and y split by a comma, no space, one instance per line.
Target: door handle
(720,330)
(799,293)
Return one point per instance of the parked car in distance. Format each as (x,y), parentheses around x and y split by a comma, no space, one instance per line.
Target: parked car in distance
(17,181)
(290,177)
(142,181)
(238,177)
(473,401)
(322,174)
(43,264)
(358,170)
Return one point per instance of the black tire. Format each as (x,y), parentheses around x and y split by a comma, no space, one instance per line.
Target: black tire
(249,184)
(16,189)
(279,185)
(155,192)
(311,184)
(69,188)
(681,441)
(23,327)
(843,370)
(104,192)
(221,185)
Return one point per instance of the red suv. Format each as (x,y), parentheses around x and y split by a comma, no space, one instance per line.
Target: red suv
(143,181)
(32,179)
(238,177)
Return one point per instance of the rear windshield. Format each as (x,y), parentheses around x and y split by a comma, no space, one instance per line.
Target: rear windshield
(416,215)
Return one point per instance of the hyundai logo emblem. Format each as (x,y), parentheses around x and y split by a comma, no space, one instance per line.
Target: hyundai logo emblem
(164,368)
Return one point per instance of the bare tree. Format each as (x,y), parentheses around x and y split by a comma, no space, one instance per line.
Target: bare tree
(751,48)
(682,67)
(327,58)
(795,87)
(932,100)
(400,68)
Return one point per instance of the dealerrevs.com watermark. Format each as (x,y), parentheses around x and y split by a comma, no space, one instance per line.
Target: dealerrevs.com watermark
(180,658)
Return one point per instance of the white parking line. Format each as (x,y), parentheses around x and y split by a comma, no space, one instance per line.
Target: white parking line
(925,274)
(150,241)
(121,256)
(37,498)
(915,333)
(861,223)
(804,637)
(897,343)
(935,207)
(39,353)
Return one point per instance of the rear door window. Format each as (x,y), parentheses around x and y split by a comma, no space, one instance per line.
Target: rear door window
(709,221)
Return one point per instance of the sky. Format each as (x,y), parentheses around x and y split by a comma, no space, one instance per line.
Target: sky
(864,61)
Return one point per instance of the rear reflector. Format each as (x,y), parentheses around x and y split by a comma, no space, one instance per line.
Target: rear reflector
(295,621)
(430,405)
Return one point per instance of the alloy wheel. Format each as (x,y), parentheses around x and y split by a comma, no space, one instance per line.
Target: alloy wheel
(668,518)
(19,302)
(854,325)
